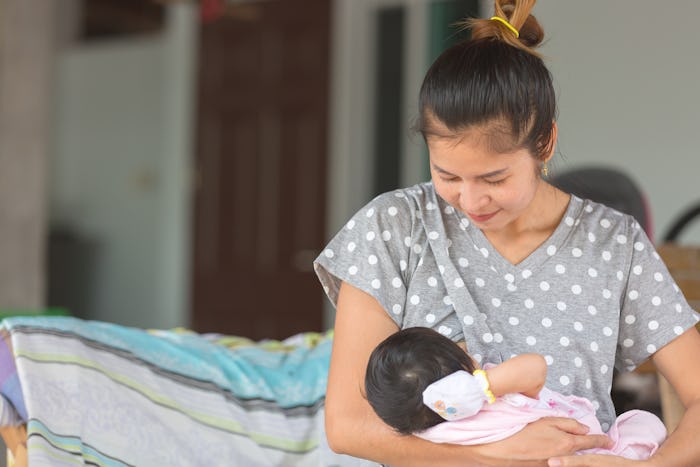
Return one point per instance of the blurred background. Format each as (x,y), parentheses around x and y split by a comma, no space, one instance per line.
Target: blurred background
(181,163)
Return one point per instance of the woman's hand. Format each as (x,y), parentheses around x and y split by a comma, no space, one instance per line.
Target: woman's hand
(597,460)
(546,438)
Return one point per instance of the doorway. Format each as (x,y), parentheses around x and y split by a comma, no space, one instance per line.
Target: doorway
(260,201)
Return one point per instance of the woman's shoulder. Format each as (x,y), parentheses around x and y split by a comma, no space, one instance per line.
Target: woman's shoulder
(401,206)
(598,217)
(417,197)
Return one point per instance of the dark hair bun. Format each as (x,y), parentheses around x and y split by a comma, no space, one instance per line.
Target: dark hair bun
(517,14)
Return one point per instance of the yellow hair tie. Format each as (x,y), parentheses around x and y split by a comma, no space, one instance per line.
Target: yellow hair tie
(480,375)
(508,25)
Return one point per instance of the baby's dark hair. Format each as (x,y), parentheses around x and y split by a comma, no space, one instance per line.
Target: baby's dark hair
(399,370)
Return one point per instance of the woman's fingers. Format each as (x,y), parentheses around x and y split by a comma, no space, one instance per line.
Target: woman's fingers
(546,438)
(591,441)
(580,439)
(568,425)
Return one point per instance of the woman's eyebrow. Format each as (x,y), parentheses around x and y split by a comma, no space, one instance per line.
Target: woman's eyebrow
(441,170)
(486,175)
(493,174)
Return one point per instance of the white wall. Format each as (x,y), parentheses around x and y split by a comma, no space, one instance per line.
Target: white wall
(120,168)
(627,74)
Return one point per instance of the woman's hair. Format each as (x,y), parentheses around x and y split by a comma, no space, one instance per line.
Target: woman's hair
(495,82)
(399,370)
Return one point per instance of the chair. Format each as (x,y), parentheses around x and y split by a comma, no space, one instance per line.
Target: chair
(609,186)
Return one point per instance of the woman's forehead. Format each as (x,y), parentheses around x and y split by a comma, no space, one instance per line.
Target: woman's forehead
(496,135)
(473,149)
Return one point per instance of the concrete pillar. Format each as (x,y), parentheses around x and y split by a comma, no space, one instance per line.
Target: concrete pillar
(27,42)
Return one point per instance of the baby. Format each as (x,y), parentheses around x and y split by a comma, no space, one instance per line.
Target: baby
(420,382)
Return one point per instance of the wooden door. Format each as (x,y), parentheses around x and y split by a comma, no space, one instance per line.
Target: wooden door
(261,160)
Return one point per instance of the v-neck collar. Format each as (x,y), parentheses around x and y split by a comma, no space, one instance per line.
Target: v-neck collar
(537,257)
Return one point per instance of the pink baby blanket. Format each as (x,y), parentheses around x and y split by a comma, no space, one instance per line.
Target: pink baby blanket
(636,434)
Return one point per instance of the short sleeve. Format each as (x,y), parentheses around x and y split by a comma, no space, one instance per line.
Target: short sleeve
(372,252)
(654,310)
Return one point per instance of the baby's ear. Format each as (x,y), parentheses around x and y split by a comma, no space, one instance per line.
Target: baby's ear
(463,346)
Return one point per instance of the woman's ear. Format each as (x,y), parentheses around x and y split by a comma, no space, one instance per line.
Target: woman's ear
(552,143)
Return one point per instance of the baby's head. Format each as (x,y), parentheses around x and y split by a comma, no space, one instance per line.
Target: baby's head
(400,369)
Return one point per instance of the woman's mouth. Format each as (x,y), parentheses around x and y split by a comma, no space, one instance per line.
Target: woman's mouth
(483,217)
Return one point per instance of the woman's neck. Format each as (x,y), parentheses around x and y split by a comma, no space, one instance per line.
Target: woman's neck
(543,215)
(524,235)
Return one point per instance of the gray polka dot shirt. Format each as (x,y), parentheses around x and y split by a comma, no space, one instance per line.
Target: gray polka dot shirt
(595,295)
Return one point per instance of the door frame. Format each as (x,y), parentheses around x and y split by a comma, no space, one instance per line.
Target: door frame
(351,165)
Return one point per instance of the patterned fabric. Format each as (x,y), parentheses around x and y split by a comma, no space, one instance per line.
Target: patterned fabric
(594,296)
(94,392)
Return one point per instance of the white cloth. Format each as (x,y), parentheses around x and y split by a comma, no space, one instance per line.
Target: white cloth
(455,396)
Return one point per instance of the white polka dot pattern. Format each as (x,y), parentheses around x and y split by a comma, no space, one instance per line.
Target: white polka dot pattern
(594,286)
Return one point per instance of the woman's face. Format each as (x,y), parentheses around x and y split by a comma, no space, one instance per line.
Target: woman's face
(494,190)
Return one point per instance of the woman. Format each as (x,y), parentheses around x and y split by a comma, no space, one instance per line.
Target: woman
(490,253)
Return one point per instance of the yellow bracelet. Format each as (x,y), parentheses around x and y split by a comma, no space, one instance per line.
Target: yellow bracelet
(507,24)
(484,381)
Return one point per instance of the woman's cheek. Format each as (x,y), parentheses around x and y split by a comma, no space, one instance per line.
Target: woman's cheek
(449,195)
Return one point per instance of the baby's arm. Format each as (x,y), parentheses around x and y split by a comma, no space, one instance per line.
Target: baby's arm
(524,373)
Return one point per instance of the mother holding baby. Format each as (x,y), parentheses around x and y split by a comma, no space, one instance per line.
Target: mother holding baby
(489,253)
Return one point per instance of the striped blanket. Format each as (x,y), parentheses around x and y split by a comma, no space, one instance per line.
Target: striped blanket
(103,394)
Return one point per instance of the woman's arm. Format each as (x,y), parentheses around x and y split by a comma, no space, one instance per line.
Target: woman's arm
(524,373)
(353,428)
(676,361)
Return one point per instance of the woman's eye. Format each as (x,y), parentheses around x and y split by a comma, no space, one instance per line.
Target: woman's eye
(495,182)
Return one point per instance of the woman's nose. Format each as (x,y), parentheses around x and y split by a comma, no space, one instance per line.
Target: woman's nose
(472,198)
